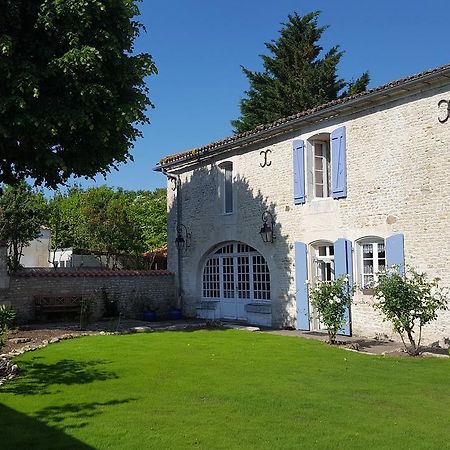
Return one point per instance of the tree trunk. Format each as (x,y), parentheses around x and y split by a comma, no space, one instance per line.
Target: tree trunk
(414,349)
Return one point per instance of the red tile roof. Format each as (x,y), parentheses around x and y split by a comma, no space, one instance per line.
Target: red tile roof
(68,272)
(209,148)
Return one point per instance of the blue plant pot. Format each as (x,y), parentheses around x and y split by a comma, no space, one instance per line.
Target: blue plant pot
(149,316)
(174,314)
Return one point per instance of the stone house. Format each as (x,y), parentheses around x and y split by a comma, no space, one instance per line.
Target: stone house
(350,187)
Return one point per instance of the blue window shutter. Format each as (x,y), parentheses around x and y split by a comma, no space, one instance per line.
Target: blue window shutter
(301,277)
(343,265)
(299,171)
(338,164)
(395,252)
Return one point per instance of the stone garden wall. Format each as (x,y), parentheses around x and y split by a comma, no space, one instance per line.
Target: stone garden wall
(131,289)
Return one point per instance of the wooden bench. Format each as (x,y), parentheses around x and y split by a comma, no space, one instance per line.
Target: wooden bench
(56,304)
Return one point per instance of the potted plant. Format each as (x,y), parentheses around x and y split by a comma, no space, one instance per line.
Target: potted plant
(174,314)
(149,311)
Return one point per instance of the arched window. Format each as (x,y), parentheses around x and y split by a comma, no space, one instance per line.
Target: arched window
(236,271)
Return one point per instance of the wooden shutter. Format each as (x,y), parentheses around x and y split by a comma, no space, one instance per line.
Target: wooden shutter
(338,164)
(301,277)
(299,171)
(395,252)
(343,265)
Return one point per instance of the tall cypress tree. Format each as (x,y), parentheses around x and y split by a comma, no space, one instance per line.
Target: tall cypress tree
(297,75)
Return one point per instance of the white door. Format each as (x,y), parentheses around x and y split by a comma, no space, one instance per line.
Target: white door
(228,300)
(236,275)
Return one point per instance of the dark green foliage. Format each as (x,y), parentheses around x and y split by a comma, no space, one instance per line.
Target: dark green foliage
(22,212)
(110,221)
(297,75)
(109,226)
(7,317)
(409,302)
(71,90)
(66,220)
(148,212)
(331,299)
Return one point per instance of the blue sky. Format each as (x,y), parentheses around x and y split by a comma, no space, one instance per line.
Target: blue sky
(199,45)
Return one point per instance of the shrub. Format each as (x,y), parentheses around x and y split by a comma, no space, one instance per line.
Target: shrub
(331,300)
(7,317)
(409,301)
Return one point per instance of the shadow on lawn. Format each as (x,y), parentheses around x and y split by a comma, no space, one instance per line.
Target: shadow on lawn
(20,431)
(75,415)
(36,378)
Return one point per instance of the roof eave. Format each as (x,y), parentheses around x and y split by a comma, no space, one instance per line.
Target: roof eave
(358,103)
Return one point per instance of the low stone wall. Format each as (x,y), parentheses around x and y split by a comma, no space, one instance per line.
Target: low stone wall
(131,289)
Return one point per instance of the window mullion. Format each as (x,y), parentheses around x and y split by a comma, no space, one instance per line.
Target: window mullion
(221,282)
(235,277)
(324,172)
(250,272)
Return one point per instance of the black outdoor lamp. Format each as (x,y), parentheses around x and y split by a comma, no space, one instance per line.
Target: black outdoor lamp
(266,231)
(182,238)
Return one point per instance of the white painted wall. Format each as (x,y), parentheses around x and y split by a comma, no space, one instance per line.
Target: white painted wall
(37,253)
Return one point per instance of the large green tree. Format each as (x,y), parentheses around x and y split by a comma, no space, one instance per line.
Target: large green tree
(66,219)
(22,212)
(297,75)
(106,220)
(72,89)
(148,211)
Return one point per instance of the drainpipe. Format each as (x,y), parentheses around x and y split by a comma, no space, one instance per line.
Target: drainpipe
(176,178)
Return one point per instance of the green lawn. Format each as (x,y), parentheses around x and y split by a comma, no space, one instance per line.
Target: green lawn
(222,390)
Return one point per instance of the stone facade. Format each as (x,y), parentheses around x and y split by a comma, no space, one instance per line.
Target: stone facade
(398,181)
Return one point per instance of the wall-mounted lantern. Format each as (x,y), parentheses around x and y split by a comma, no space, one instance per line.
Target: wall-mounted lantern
(182,240)
(266,231)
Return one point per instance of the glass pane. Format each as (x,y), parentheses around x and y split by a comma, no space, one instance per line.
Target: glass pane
(243,277)
(261,279)
(211,282)
(319,190)
(228,277)
(368,251)
(367,281)
(368,266)
(322,251)
(228,189)
(328,272)
(319,177)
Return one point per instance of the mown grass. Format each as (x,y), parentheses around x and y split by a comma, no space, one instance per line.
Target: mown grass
(222,390)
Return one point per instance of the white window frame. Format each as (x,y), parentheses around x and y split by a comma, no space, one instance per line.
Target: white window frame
(324,167)
(328,258)
(375,242)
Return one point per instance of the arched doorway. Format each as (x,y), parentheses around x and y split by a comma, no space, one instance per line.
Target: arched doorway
(235,275)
